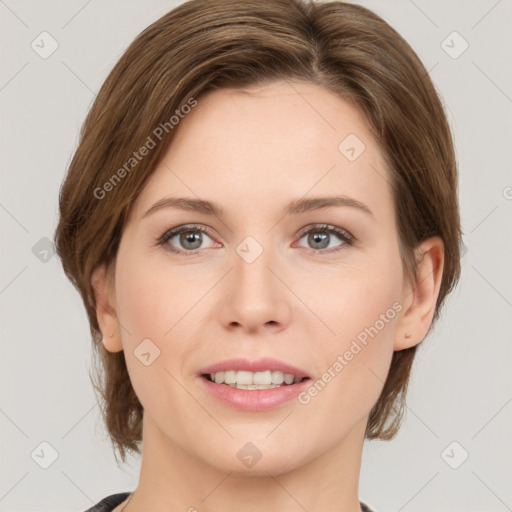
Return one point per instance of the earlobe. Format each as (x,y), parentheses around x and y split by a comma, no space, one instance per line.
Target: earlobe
(421,300)
(103,285)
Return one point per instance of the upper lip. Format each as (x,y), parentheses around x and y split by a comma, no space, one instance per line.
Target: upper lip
(258,365)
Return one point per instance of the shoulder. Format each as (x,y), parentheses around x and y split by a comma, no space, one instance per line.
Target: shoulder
(109,503)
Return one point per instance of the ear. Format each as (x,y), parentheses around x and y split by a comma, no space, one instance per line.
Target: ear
(419,300)
(102,281)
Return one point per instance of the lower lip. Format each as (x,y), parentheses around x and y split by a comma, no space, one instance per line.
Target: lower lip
(254,399)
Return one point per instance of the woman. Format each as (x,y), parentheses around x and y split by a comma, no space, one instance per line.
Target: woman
(262,220)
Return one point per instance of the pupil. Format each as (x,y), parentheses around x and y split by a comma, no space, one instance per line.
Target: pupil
(323,239)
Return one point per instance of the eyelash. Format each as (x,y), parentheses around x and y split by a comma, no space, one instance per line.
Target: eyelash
(345,236)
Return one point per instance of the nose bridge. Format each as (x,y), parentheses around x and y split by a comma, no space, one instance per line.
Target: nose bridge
(256,297)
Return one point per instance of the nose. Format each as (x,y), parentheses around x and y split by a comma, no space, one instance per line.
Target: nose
(254,296)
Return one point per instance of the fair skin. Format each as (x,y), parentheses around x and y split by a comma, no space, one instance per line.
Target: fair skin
(252,154)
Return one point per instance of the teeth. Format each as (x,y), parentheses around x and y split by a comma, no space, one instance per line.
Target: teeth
(253,380)
(278,377)
(245,378)
(254,386)
(288,379)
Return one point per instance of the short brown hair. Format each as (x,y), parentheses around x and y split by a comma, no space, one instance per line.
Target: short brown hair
(205,44)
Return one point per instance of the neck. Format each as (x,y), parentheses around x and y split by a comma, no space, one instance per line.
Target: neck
(173,479)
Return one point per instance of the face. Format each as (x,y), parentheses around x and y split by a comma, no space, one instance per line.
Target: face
(318,287)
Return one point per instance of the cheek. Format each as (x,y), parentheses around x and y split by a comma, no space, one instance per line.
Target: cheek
(149,307)
(359,311)
(155,305)
(150,299)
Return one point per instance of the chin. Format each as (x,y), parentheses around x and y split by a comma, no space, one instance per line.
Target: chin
(258,458)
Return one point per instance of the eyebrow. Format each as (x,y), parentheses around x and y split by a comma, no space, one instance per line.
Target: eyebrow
(293,208)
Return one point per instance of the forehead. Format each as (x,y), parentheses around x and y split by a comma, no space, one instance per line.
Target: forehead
(274,142)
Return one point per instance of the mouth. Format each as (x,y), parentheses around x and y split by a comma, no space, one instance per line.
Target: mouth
(257,386)
(264,373)
(244,396)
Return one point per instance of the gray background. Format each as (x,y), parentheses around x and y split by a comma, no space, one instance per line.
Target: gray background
(461,386)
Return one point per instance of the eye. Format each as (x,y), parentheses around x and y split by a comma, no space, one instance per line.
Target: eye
(320,237)
(190,238)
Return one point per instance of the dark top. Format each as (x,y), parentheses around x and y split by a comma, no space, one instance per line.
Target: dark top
(111,502)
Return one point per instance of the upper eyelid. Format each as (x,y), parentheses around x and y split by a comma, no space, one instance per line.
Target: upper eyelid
(206,229)
(327,227)
(172,232)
